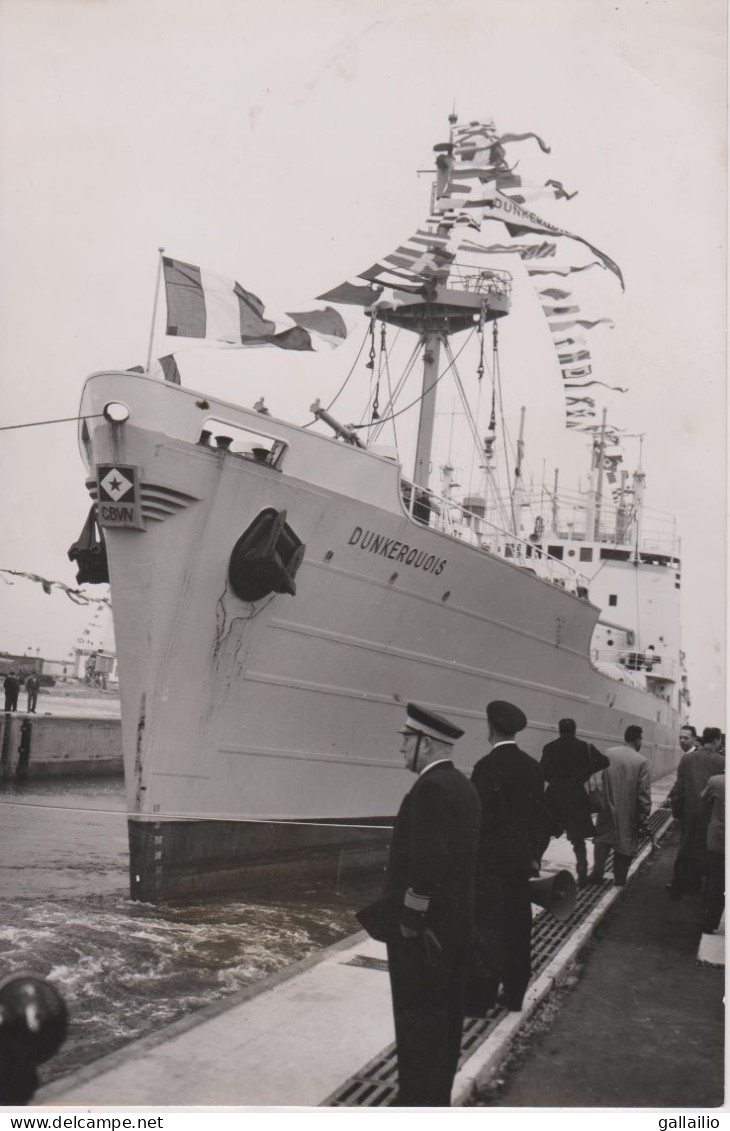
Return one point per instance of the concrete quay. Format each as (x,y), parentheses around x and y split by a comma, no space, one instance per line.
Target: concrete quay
(67,741)
(321,1032)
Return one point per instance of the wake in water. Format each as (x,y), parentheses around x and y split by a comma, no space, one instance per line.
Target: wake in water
(126,969)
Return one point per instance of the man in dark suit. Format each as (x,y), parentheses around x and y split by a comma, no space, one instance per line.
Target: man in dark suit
(514,834)
(429,897)
(567,763)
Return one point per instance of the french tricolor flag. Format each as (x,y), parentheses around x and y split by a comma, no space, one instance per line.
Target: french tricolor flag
(201,304)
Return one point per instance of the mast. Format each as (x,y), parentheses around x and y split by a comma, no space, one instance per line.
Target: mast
(431,344)
(427,415)
(440,307)
(639,482)
(599,484)
(517,491)
(555,504)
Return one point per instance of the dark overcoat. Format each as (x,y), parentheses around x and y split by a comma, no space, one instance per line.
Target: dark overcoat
(566,764)
(434,849)
(514,834)
(429,887)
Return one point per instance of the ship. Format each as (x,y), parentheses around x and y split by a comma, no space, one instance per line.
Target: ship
(280,592)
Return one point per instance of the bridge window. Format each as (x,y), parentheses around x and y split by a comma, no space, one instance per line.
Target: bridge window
(586,553)
(612,599)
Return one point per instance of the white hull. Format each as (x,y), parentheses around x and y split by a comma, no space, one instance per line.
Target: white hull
(287,709)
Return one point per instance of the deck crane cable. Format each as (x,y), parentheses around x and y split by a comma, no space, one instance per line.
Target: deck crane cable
(474,428)
(344,383)
(394,395)
(390,386)
(373,405)
(478,447)
(422,394)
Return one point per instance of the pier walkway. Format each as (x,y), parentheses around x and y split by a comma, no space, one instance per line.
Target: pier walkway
(321,1032)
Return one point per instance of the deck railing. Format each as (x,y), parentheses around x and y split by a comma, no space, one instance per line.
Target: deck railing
(450,517)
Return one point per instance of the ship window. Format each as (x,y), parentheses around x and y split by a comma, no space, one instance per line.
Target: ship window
(586,553)
(255,446)
(612,599)
(556,552)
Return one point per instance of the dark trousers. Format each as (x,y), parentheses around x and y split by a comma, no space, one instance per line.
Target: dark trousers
(581,856)
(502,951)
(689,871)
(11,700)
(715,895)
(32,700)
(620,864)
(428,1008)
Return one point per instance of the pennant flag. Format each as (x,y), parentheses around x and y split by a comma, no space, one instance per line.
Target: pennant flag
(587,385)
(564,270)
(556,311)
(572,358)
(524,137)
(554,293)
(561,193)
(519,220)
(525,251)
(170,369)
(75,595)
(351,294)
(201,304)
(583,371)
(586,324)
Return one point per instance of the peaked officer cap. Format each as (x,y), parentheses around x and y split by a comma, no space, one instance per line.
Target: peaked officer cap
(428,722)
(507,718)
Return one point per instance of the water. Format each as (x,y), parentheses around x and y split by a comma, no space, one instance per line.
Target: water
(126,968)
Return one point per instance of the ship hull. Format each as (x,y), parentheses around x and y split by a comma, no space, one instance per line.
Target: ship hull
(260,737)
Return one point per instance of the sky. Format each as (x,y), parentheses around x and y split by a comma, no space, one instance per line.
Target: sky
(279,144)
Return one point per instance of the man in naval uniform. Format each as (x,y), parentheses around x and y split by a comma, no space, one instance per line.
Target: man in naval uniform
(515,832)
(429,890)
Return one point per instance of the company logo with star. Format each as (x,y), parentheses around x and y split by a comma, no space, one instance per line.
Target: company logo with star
(116,485)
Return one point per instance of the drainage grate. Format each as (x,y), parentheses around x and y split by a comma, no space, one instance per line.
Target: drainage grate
(376,1084)
(368,963)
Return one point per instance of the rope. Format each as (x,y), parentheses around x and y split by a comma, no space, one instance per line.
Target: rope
(59,420)
(154,818)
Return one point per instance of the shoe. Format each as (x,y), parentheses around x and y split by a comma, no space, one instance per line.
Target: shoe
(593,879)
(508,1003)
(672,892)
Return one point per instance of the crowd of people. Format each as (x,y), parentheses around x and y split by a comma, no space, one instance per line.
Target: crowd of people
(456,912)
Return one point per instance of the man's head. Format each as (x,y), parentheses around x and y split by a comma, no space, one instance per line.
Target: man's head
(633,736)
(687,737)
(567,728)
(504,720)
(712,736)
(427,738)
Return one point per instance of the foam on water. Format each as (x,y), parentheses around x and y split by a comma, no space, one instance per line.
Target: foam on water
(124,968)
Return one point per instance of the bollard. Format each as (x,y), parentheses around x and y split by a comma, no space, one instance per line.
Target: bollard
(6,723)
(33,1024)
(26,733)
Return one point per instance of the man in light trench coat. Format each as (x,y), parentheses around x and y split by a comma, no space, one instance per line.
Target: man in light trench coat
(626,788)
